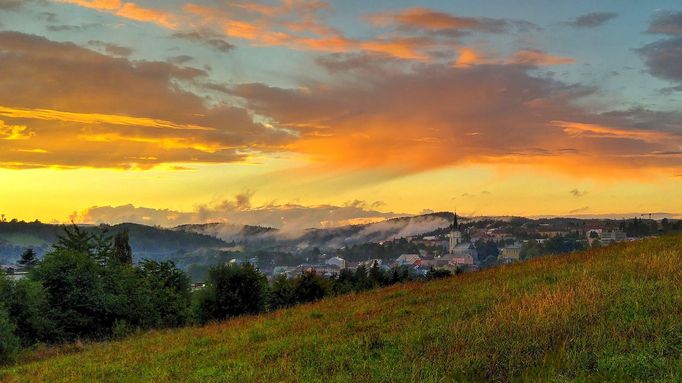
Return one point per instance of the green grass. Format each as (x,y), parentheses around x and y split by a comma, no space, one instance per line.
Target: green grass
(612,314)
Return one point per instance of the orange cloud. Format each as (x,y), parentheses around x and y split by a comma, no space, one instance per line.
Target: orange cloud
(14,132)
(468,57)
(538,58)
(424,18)
(129,10)
(576,129)
(94,118)
(494,114)
(103,5)
(134,116)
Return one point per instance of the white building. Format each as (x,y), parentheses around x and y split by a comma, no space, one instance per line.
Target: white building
(510,253)
(608,237)
(337,261)
(455,236)
(408,260)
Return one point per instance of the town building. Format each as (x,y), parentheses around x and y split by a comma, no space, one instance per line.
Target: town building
(408,260)
(460,252)
(511,253)
(336,261)
(611,236)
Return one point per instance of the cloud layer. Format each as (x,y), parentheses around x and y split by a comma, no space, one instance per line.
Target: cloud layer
(83,108)
(434,116)
(291,219)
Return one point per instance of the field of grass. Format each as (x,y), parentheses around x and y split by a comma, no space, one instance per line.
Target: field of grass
(612,314)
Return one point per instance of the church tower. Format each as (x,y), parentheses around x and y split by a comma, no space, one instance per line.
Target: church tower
(455,236)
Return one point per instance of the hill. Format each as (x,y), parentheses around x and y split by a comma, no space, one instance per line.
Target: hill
(325,238)
(611,314)
(146,241)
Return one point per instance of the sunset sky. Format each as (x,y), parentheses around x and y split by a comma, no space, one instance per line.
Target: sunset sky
(332,112)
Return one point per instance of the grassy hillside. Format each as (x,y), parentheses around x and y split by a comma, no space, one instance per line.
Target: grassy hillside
(612,314)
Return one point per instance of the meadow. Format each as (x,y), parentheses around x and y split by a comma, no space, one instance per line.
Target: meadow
(607,314)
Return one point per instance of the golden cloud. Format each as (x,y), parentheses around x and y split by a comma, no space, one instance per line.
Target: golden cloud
(438,116)
(83,108)
(129,10)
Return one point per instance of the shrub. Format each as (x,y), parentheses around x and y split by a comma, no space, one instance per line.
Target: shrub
(232,290)
(9,343)
(310,287)
(75,294)
(282,292)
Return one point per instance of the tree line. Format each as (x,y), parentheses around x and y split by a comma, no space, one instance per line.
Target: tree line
(87,288)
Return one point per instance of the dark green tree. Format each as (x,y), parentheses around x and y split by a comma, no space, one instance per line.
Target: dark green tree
(75,294)
(377,276)
(170,292)
(282,293)
(362,281)
(77,240)
(344,282)
(310,287)
(9,343)
(122,252)
(28,258)
(438,274)
(27,307)
(232,290)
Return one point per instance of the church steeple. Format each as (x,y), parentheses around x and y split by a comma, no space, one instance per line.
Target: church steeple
(455,236)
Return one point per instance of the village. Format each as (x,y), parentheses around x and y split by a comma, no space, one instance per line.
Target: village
(465,248)
(466,245)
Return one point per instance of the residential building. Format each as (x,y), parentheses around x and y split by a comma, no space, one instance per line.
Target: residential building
(337,261)
(408,260)
(608,237)
(511,253)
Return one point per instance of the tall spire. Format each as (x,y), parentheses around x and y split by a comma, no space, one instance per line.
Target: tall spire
(454,224)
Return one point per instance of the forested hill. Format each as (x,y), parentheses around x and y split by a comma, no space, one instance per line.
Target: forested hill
(146,241)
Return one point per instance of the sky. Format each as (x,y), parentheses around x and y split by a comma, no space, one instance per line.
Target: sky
(332,112)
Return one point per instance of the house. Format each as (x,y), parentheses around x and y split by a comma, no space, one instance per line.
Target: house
(608,237)
(460,258)
(336,261)
(408,260)
(511,253)
(323,270)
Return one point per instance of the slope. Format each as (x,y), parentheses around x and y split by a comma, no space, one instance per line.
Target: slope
(611,314)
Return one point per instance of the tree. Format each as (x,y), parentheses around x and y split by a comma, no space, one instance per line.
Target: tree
(282,293)
(362,281)
(9,343)
(531,249)
(170,292)
(122,252)
(377,276)
(399,274)
(310,287)
(28,258)
(75,294)
(438,274)
(232,290)
(344,282)
(75,239)
(27,306)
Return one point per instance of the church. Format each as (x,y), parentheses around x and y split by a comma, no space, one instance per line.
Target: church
(459,251)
